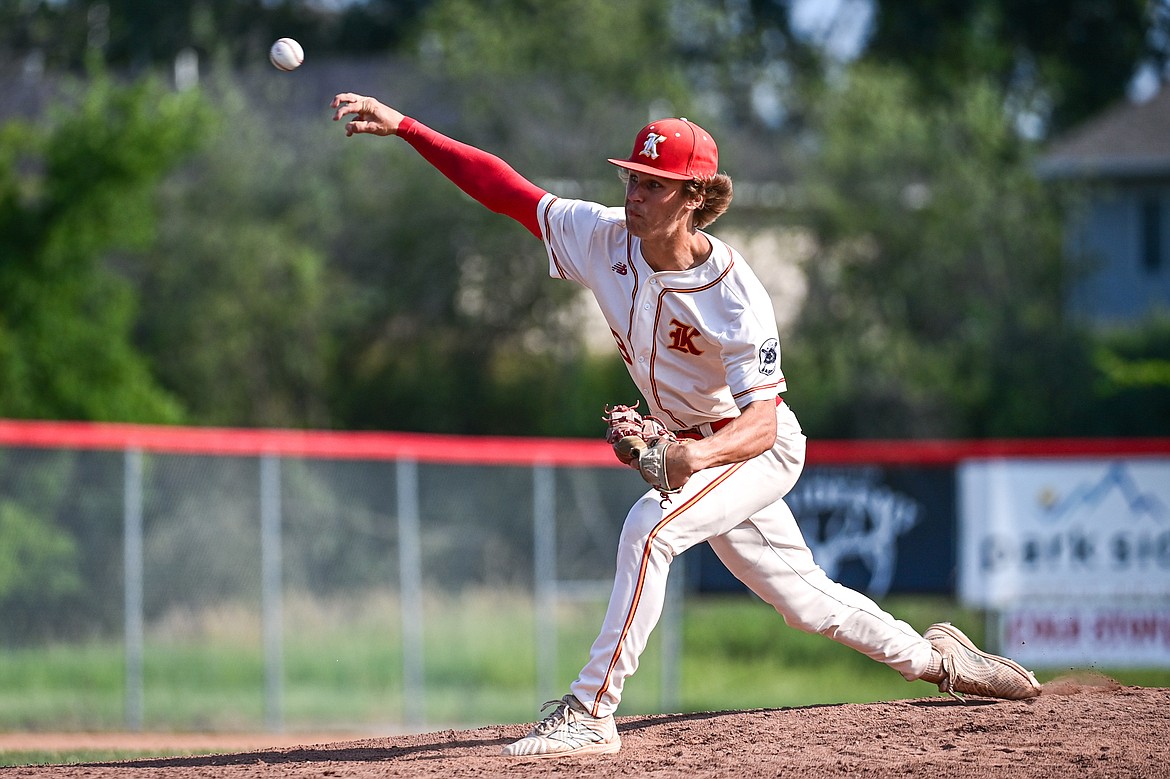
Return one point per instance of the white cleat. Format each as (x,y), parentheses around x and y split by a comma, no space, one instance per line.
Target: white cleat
(968,669)
(569,730)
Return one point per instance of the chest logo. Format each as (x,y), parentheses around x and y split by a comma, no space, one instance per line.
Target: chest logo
(682,338)
(650,147)
(619,268)
(769,356)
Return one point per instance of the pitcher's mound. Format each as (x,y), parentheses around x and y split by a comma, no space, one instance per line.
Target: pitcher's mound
(1080,727)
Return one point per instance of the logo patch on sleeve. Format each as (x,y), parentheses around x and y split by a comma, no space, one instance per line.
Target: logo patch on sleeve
(769,356)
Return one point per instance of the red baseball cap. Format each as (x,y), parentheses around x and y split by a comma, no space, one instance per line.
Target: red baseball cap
(673,149)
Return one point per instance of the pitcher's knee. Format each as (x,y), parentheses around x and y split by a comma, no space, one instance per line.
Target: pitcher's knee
(642,528)
(643,541)
(642,518)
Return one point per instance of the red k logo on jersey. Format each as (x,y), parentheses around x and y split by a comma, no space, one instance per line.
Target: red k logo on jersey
(682,338)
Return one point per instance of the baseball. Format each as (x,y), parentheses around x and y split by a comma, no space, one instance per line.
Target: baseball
(286,54)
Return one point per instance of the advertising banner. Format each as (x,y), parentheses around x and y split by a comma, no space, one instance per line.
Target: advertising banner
(1067,531)
(1079,634)
(876,530)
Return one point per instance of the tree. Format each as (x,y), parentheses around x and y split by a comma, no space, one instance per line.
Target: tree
(1063,61)
(1132,379)
(74,191)
(237,305)
(142,34)
(450,317)
(39,569)
(586,47)
(936,291)
(305,279)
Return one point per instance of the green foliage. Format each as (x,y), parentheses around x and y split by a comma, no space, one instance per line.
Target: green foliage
(138,33)
(1124,374)
(286,276)
(1069,60)
(1136,357)
(936,288)
(60,543)
(236,302)
(74,191)
(1132,370)
(565,396)
(587,47)
(38,561)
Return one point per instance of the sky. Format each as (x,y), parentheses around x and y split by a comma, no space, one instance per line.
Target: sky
(841,26)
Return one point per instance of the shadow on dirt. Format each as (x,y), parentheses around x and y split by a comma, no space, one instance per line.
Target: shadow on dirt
(445,744)
(337,753)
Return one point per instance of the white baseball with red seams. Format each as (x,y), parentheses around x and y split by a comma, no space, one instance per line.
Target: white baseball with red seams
(286,54)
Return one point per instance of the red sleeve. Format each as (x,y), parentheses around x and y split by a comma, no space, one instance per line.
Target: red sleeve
(484,176)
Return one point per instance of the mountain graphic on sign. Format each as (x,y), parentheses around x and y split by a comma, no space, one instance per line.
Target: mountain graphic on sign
(1115,494)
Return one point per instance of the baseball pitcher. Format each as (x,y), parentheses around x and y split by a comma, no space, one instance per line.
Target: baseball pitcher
(715,441)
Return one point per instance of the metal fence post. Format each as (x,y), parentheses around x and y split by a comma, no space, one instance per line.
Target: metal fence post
(672,638)
(410,587)
(544,556)
(133,587)
(272,601)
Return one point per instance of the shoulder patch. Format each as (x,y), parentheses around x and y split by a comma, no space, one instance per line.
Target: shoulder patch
(769,356)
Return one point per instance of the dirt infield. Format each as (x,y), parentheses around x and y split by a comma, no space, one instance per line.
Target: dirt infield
(1078,728)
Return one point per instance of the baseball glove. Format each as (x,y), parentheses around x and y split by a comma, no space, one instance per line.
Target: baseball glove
(641,443)
(626,421)
(652,464)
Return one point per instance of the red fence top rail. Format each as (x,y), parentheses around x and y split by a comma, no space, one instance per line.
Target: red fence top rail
(423,447)
(506,450)
(943,452)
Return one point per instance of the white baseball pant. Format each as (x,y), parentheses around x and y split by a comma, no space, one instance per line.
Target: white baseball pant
(739,509)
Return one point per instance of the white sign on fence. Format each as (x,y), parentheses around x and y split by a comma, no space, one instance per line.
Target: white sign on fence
(1074,555)
(1065,530)
(1068,634)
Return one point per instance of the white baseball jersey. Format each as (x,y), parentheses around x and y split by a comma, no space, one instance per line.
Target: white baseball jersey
(699,344)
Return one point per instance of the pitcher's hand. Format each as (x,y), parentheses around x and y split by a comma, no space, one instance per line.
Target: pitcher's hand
(370,116)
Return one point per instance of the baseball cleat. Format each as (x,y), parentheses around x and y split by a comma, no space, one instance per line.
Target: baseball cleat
(967,669)
(569,730)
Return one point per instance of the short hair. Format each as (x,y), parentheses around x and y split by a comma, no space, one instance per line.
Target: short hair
(716,191)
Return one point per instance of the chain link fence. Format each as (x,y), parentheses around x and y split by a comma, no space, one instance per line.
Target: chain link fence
(203,579)
(191,580)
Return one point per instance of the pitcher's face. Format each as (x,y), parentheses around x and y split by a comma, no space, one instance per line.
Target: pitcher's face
(656,206)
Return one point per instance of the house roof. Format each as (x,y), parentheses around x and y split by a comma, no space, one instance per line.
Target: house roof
(1129,140)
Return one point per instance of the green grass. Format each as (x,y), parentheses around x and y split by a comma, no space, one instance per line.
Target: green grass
(343,668)
(751,659)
